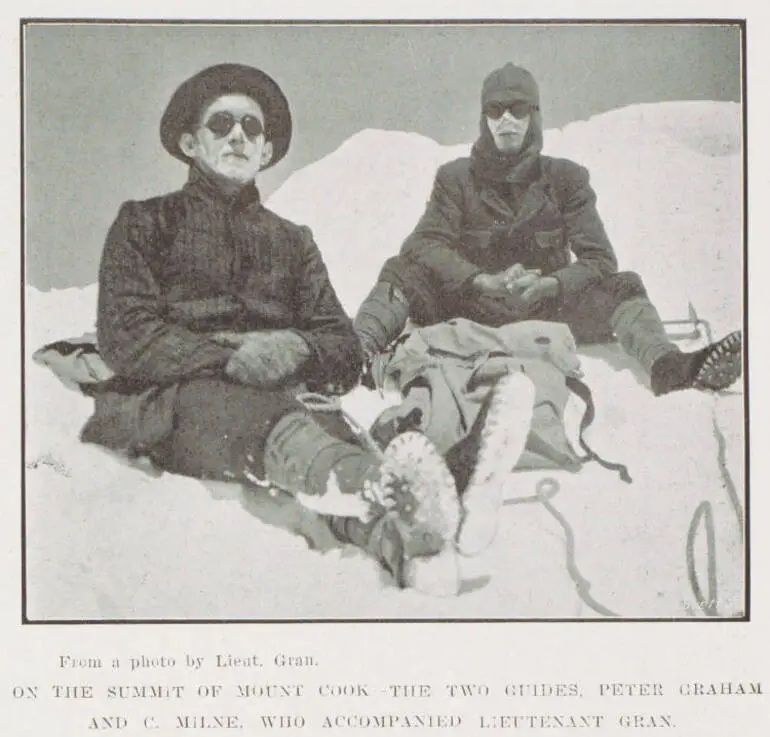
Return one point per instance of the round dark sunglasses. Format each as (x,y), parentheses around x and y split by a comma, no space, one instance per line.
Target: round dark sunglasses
(519,109)
(220,124)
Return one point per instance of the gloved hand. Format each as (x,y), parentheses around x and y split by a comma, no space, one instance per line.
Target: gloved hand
(268,358)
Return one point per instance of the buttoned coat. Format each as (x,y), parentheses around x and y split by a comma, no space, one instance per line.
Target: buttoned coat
(551,224)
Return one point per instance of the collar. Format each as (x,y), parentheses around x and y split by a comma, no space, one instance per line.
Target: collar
(204,186)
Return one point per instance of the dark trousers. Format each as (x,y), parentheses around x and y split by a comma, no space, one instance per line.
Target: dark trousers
(220,428)
(589,318)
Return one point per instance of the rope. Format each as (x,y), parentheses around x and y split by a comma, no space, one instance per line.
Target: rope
(732,493)
(707,604)
(545,490)
(704,511)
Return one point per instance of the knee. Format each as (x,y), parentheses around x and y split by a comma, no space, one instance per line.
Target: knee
(417,284)
(624,285)
(397,271)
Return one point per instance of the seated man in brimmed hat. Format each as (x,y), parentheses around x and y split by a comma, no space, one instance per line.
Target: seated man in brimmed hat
(215,315)
(510,235)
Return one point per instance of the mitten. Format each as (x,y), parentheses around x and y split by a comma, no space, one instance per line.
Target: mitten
(268,358)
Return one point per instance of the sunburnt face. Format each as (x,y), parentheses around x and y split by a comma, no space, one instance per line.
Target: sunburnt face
(508,123)
(229,141)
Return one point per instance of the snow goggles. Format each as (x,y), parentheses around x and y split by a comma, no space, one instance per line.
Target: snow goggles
(221,123)
(518,108)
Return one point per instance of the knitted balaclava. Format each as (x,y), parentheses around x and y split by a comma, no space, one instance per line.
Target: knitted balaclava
(507,84)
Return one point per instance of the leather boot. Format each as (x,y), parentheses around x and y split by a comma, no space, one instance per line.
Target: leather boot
(400,506)
(713,368)
(640,331)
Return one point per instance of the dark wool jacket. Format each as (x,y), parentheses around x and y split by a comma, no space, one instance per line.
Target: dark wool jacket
(469,228)
(179,266)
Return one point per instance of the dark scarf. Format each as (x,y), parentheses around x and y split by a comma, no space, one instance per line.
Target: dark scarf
(206,185)
(490,167)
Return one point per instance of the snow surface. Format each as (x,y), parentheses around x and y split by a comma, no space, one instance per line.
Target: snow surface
(108,541)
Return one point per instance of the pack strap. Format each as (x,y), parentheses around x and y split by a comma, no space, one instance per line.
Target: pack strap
(582,391)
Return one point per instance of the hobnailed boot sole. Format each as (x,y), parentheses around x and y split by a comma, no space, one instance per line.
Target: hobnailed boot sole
(418,492)
(503,439)
(722,365)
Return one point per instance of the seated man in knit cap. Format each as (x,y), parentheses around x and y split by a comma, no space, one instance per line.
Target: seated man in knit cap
(511,235)
(215,315)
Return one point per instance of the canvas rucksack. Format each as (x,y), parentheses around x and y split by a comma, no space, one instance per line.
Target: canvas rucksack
(446,371)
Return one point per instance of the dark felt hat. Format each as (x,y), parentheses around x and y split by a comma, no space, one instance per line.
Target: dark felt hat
(193,95)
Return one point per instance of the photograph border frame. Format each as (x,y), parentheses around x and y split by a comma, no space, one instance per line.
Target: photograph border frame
(25,22)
